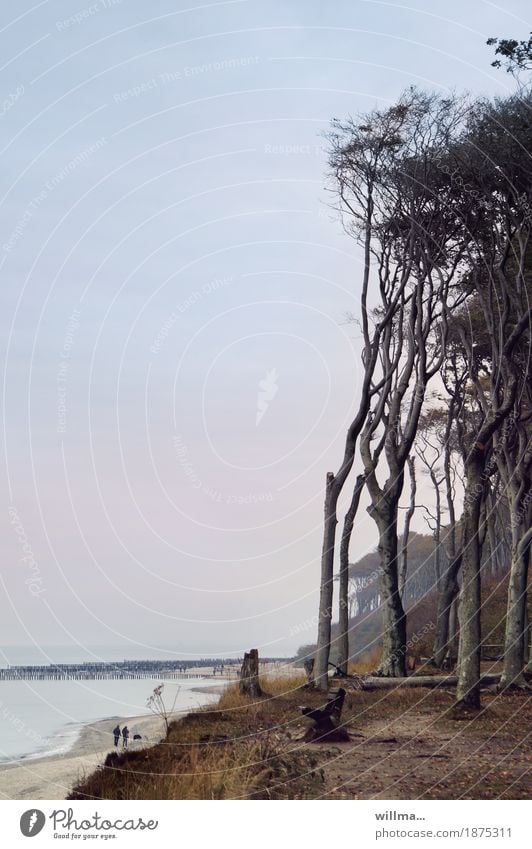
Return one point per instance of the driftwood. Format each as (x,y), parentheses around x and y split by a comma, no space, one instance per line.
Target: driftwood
(377,683)
(249,675)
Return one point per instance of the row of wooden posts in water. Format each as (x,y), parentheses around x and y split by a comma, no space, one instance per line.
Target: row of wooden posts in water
(117,671)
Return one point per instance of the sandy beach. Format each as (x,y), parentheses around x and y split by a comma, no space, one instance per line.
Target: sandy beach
(54,776)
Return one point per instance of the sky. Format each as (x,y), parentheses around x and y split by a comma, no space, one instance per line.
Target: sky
(178,366)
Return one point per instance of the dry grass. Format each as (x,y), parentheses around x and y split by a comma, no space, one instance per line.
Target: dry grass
(368,662)
(271,685)
(242,748)
(231,698)
(282,685)
(222,770)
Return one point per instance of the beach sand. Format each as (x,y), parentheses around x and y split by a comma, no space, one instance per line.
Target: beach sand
(53,777)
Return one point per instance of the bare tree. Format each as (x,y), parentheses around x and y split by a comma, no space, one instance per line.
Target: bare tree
(360,154)
(441,206)
(426,261)
(389,184)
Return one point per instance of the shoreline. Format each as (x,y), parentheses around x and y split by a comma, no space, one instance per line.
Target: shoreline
(52,776)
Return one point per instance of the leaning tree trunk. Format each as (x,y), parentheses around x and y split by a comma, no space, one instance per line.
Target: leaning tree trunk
(249,675)
(516,635)
(323,646)
(393,661)
(335,483)
(343,616)
(468,689)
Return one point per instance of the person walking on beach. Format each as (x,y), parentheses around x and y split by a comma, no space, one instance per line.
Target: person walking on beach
(125,735)
(116,732)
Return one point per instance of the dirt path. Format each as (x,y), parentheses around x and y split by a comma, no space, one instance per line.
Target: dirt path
(420,752)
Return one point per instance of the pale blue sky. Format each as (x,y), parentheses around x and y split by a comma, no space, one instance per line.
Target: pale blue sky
(165,246)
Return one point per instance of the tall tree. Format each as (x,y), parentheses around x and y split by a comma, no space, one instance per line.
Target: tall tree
(356,170)
(388,183)
(424,260)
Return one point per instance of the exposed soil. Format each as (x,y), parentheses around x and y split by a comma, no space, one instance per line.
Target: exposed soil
(416,749)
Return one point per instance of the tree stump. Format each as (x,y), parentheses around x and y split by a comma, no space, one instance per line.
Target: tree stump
(325,731)
(327,720)
(249,675)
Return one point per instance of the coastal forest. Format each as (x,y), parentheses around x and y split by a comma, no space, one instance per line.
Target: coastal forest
(437,192)
(429,635)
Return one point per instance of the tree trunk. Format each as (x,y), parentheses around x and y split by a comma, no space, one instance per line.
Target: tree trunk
(249,675)
(492,538)
(437,530)
(308,666)
(406,530)
(516,635)
(448,587)
(371,683)
(343,617)
(448,593)
(526,647)
(393,661)
(468,689)
(452,650)
(323,647)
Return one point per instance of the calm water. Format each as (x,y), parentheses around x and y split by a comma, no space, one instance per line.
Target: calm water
(41,717)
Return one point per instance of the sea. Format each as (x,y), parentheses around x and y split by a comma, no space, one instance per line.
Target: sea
(40,718)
